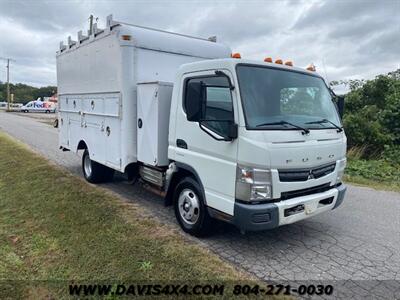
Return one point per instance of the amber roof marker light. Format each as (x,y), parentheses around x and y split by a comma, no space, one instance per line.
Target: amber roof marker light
(279,61)
(236,55)
(268,59)
(126,37)
(289,63)
(311,68)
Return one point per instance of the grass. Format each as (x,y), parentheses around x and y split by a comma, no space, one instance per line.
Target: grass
(380,173)
(56,227)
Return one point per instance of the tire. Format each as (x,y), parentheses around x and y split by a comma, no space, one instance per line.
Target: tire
(190,210)
(47,111)
(95,172)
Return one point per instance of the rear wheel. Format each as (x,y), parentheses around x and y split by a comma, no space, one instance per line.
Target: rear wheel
(95,172)
(190,210)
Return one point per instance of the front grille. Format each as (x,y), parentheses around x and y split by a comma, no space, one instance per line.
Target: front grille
(305,174)
(304,192)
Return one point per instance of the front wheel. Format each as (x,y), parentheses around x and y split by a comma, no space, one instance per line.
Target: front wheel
(190,210)
(95,172)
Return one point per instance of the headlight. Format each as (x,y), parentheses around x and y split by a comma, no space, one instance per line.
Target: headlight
(253,184)
(341,166)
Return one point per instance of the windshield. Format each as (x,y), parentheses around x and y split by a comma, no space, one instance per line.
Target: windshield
(273,97)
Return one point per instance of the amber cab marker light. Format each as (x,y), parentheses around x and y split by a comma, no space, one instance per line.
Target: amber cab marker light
(268,59)
(236,55)
(289,63)
(126,37)
(311,68)
(279,61)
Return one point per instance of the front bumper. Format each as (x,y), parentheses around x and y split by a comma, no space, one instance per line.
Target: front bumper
(255,217)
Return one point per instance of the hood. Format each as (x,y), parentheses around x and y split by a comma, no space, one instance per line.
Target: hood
(290,149)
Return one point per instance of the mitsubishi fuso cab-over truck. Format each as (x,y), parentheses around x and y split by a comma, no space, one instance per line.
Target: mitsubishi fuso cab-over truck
(258,144)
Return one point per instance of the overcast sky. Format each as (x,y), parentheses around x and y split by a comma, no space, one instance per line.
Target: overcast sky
(344,39)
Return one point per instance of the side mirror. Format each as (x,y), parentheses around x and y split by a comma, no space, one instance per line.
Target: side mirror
(340,105)
(194,101)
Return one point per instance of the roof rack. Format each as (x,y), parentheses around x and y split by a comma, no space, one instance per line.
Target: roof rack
(110,24)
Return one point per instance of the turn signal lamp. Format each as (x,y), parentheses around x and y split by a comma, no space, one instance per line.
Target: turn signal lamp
(289,63)
(311,68)
(279,61)
(268,59)
(236,55)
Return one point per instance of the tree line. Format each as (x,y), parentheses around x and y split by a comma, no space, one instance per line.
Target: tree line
(24,93)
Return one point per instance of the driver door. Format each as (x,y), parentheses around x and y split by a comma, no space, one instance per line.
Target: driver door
(201,147)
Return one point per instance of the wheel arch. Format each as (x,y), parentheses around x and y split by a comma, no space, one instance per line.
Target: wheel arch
(81,145)
(184,170)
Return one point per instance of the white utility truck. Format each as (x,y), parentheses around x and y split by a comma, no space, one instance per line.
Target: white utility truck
(257,144)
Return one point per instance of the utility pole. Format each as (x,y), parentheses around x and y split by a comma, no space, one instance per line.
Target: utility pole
(8,80)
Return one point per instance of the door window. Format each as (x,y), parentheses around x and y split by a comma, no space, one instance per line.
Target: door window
(218,105)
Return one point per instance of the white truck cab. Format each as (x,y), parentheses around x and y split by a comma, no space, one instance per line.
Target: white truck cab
(253,143)
(265,140)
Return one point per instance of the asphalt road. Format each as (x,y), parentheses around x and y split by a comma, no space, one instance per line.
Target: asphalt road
(359,241)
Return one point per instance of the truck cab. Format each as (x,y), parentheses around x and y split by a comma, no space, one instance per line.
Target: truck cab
(264,142)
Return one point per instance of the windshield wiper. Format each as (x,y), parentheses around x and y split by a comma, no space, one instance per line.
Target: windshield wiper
(339,129)
(304,130)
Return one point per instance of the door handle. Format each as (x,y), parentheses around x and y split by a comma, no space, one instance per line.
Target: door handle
(181,144)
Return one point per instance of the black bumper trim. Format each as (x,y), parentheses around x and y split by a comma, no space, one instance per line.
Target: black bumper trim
(342,191)
(255,217)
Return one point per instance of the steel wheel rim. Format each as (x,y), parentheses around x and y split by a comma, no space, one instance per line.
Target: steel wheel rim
(87,165)
(189,206)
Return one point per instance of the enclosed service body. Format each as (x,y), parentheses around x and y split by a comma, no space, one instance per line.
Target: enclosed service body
(100,78)
(252,143)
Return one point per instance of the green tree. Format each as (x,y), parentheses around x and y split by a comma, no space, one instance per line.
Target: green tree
(24,93)
(372,114)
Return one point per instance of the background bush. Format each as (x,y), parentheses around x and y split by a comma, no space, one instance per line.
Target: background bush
(372,116)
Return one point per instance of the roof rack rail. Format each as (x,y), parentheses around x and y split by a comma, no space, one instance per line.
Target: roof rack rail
(71,42)
(110,23)
(81,37)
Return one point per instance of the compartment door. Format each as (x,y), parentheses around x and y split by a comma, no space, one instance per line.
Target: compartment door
(147,123)
(112,130)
